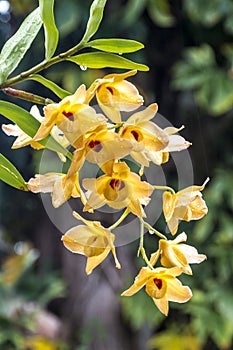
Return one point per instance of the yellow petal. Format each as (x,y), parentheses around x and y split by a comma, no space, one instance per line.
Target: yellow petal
(90,223)
(194,188)
(141,189)
(80,237)
(198,209)
(136,208)
(177,292)
(162,305)
(139,282)
(22,138)
(144,115)
(173,225)
(11,129)
(48,122)
(140,157)
(172,256)
(157,157)
(121,76)
(154,257)
(43,183)
(77,161)
(62,189)
(170,130)
(191,254)
(177,143)
(94,261)
(169,202)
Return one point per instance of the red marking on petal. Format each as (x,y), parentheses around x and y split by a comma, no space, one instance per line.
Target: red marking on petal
(68,115)
(110,90)
(135,135)
(95,145)
(158,282)
(117,184)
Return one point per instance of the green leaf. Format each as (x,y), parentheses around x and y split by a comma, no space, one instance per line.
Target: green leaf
(103,60)
(216,93)
(222,94)
(15,48)
(57,90)
(200,57)
(10,175)
(50,29)
(116,45)
(208,13)
(30,125)
(160,13)
(133,9)
(186,77)
(96,15)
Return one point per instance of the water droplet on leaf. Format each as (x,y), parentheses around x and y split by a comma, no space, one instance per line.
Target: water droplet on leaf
(83,68)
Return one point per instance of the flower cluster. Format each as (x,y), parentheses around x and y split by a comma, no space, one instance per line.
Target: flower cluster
(106,139)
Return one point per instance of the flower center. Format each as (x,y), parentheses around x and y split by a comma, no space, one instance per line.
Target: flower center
(95,145)
(117,184)
(95,246)
(68,115)
(158,282)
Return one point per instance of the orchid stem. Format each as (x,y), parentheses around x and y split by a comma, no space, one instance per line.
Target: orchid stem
(43,65)
(164,188)
(119,221)
(141,249)
(115,126)
(150,228)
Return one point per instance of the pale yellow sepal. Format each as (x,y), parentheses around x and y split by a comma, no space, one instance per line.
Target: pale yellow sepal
(92,240)
(60,186)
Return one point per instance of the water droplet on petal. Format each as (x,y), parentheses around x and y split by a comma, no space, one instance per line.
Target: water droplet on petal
(151,232)
(83,68)
(119,53)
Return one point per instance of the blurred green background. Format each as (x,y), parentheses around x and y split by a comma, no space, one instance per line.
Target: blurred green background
(46,301)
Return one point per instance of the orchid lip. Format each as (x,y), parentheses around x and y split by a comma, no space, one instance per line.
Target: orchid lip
(95,145)
(158,282)
(68,115)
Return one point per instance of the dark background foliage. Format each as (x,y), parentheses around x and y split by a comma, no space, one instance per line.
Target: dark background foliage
(44,292)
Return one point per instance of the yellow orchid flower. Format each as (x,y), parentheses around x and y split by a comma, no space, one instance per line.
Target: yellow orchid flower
(162,286)
(146,136)
(176,143)
(173,254)
(22,138)
(119,188)
(186,205)
(115,94)
(99,147)
(92,240)
(60,186)
(72,115)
